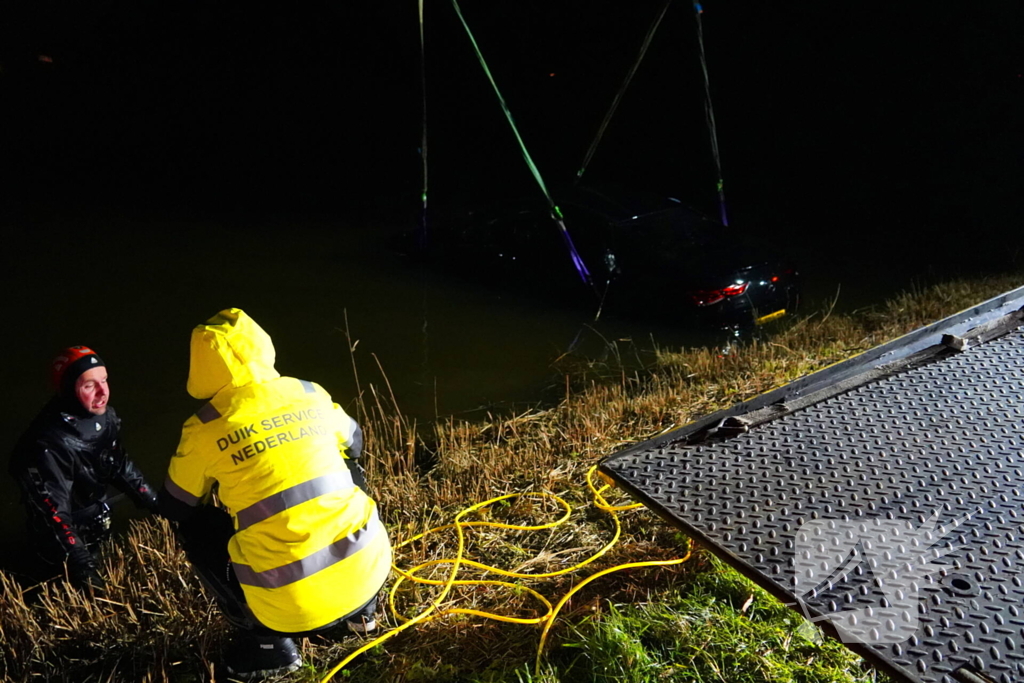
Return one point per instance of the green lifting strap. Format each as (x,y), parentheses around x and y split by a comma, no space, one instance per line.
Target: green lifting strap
(556,213)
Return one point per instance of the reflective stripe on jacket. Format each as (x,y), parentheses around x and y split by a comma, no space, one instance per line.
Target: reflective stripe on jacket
(309,546)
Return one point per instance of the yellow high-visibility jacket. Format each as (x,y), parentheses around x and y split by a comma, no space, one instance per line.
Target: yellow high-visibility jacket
(309,547)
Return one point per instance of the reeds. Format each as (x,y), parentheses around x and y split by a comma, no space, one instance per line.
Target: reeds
(155,622)
(150,618)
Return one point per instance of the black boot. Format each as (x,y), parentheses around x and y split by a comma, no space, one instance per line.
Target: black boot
(251,657)
(362,620)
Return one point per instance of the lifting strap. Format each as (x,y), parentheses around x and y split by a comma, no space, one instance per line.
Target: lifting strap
(622,90)
(709,112)
(423,141)
(556,213)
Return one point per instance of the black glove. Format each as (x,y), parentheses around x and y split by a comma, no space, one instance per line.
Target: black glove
(83,573)
(87,579)
(149,501)
(143,497)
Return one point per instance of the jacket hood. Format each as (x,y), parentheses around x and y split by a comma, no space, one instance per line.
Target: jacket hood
(229,350)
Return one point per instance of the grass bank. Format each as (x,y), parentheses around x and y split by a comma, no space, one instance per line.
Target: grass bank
(695,621)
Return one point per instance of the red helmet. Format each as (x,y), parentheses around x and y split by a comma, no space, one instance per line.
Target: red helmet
(69,364)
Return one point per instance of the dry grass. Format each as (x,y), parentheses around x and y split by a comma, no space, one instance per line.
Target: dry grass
(149,621)
(156,624)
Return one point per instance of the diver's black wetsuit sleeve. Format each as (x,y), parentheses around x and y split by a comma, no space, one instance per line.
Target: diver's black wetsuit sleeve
(126,477)
(46,482)
(132,483)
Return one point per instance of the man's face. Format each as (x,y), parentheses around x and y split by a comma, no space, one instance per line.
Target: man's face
(92,390)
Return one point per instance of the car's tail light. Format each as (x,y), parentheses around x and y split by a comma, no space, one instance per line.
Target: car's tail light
(708,297)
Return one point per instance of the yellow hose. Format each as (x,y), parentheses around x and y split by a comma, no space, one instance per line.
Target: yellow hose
(433,611)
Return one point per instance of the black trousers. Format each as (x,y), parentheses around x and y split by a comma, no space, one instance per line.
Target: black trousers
(204,537)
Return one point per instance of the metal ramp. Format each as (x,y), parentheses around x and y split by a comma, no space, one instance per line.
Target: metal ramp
(882,497)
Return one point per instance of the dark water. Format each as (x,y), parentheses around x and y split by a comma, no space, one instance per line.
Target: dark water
(173,161)
(133,289)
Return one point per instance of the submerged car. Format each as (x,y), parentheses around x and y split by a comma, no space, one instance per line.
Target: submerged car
(646,255)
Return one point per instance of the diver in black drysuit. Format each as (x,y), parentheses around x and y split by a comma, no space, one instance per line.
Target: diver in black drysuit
(63,464)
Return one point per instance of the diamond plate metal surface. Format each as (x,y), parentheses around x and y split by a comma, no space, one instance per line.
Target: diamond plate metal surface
(944,439)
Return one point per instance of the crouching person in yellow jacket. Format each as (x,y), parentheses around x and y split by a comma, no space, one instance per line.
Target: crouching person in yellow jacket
(300,547)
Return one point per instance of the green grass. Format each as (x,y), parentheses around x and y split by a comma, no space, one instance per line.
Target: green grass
(717,628)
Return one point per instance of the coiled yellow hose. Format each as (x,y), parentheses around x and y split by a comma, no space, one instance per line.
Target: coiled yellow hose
(433,611)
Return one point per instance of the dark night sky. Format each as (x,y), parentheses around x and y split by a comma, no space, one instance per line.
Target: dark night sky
(894,124)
